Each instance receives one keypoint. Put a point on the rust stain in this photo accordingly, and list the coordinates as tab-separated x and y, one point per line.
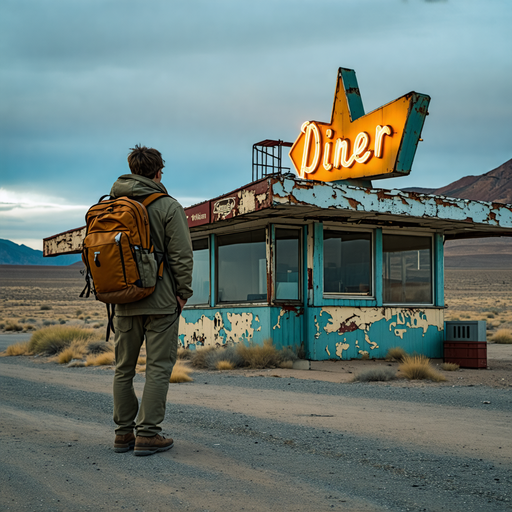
353	203
294	309
347	327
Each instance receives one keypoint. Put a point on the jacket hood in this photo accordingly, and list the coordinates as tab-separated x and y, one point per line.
133	185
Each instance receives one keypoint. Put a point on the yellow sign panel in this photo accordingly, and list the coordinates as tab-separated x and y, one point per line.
380	144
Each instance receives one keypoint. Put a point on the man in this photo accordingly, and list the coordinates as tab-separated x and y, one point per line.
155	317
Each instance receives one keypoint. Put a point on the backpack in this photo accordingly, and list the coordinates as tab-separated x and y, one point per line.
118	253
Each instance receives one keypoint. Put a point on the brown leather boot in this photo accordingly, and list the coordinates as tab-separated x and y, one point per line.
150	445
123	443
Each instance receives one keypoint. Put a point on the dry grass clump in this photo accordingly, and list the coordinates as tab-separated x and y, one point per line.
503	336
98	347
396	354
418	368
184	353
259	356
12	325
51	340
450	367
105	359
18	349
45	307
224	365
141	360
242	356
75	351
376	375
180	373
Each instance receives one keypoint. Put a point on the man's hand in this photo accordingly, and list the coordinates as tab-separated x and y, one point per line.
181	302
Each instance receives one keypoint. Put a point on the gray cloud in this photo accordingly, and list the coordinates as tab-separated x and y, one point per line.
83	81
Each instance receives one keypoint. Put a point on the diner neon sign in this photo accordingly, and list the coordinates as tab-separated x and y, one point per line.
380	144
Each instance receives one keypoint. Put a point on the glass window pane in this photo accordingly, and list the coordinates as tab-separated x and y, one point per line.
347	262
407	267
287	263
200	273
242	267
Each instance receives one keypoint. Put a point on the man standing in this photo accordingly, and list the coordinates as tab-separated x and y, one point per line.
155	317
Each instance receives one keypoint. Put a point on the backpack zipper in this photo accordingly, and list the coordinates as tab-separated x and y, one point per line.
117	239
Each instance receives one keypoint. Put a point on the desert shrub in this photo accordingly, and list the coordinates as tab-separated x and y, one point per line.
46	323
301	351
286	364
2	325
490	315
32	320
78	312
11	325
287	355
98	347
105	359
74	351
418	367
29	327
141	360
228	354
224	365
503	336
365	356
96	326
259	356
376	374
184	353
180	373
51	340
450	367
45	307
198	357
62	321
396	354
18	349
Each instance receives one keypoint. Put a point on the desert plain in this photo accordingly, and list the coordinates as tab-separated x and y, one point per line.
273	439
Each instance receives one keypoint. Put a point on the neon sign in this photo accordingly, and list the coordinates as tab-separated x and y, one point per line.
381	144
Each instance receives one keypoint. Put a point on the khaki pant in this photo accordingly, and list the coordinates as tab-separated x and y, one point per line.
161	332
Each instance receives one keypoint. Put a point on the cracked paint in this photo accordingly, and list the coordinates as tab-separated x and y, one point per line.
340	347
247	201
214	332
327	350
400	333
281	314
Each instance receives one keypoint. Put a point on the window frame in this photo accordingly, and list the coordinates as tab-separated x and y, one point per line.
350	295
202	305
300	229
231	303
423	234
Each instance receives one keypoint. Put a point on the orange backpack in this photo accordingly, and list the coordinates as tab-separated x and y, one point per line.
118	253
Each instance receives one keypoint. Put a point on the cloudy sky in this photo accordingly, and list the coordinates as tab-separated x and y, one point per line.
82	81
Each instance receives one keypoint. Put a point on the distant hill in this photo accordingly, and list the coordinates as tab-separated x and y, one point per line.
14	254
494	186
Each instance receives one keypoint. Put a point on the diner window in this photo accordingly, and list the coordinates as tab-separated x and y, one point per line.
242	267
287	261
407	267
200	273
347	262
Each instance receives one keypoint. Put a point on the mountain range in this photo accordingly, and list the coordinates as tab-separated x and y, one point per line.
493	186
14	254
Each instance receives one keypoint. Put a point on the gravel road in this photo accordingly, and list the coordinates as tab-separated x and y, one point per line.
254	443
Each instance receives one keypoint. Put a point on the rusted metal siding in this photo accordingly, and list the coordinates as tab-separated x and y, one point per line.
349	333
216	327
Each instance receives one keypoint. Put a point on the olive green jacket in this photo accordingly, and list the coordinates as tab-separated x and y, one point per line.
169	233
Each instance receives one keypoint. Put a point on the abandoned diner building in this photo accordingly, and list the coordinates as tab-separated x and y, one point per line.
323	259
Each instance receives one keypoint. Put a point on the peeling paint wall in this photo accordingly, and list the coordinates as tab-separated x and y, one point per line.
350	332
221	326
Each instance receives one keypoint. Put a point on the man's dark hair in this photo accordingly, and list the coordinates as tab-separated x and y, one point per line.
145	161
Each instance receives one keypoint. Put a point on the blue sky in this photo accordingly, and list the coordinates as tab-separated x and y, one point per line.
82	81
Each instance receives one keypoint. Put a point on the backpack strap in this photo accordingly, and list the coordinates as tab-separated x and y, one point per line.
153	197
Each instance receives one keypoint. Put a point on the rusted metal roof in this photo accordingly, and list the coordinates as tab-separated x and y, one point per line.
286	197
281	197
